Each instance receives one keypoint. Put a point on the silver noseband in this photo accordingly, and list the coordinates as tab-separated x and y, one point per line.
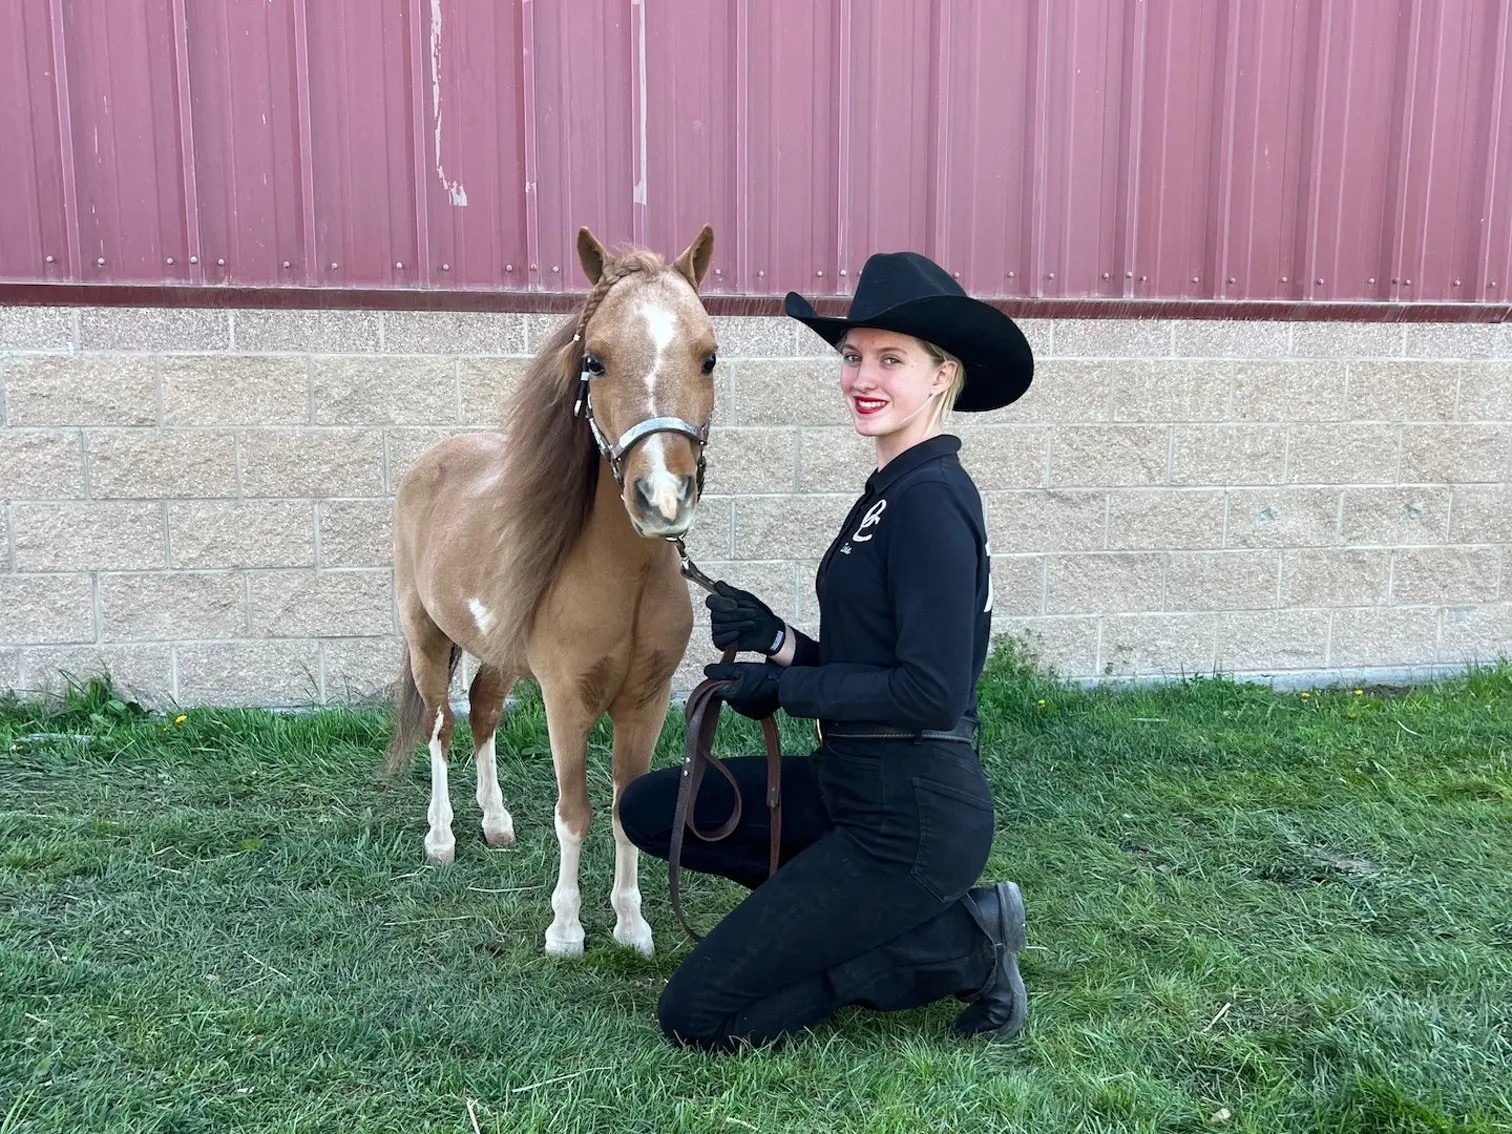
617	451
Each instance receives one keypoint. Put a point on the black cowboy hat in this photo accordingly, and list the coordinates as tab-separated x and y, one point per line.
911	294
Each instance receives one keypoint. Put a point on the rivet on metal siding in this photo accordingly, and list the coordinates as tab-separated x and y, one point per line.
399	265
1128	275
1396	281
761	274
446	267
1320	281
1233	280
286	265
334	265
820	272
1283	279
194	259
1491	284
719	271
1143	279
1051	276
509	267
101	261
1010	275
533	268
169	261
1105	275
1456	283
555	268
220	261
49	259
1407	283
1371	280
1195	279
842	271
957	275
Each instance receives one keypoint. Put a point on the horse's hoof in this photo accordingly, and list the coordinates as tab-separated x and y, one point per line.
564	946
637	938
500	836
440	854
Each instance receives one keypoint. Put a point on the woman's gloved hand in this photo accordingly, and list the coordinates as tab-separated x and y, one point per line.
740	619
754	692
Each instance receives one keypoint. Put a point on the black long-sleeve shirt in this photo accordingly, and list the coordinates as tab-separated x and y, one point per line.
905	601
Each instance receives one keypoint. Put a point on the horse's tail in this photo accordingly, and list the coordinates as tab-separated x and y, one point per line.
409	712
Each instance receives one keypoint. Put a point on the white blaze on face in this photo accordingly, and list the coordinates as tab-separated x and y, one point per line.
661	486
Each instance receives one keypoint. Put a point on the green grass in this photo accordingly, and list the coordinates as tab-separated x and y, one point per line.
1297	910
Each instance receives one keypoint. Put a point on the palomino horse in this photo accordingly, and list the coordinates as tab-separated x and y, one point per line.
545	551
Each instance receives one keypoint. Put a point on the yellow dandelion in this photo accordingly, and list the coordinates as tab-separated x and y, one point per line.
1041	701
180	719
1359	692
1305	696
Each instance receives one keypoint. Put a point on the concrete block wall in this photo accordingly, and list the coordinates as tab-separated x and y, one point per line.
198	499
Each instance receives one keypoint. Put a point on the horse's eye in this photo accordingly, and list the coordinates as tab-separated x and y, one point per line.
594	366
708	366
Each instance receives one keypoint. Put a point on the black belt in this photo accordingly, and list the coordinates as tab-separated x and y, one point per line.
964	730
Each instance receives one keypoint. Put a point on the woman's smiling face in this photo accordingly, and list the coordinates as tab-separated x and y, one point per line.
889	380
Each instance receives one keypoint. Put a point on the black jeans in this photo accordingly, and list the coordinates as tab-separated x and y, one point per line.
880	840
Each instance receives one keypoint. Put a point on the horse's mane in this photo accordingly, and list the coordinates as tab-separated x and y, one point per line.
551	469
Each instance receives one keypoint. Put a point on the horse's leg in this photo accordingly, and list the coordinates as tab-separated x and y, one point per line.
636	727
567	723
430	663
486	697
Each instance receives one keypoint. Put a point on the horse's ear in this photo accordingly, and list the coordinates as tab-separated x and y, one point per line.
694	261
592	255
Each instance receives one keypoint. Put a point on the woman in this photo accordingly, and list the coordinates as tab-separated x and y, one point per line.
888	825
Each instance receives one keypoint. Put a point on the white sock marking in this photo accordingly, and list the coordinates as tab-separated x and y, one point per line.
498	825
440	846
630	926
564	936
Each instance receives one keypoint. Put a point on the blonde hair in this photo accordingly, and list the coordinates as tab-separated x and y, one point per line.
939	356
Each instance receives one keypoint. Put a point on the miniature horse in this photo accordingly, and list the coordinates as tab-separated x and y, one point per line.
544	551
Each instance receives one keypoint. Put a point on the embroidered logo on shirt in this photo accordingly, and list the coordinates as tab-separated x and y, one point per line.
872	518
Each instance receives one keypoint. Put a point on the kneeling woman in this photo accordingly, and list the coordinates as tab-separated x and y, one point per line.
887	826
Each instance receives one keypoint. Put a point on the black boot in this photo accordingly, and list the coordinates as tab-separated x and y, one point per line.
1002	1003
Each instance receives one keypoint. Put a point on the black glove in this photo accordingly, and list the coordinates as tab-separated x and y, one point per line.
740	619
754	692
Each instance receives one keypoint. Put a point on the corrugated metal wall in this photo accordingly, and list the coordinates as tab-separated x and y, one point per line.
1171	149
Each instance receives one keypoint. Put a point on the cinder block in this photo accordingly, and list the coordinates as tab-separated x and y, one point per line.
1158	644
1347	340
774	582
1046	520
1018	585
143	673
405	447
1458	454
157	464
1334	577
270	673
160	329
1476	634
1272	641
453	332
235	389
1223	580
486	385
1160	518
173	606
1232	338
751	460
1394	636
759	336
1063	393
384	391
307	332
1164	391
788	392
1108	455
790	527
1486	391
312	462
301	604
1482	514
835	460
36	328
1283	517
1091	583
1347	453
81	390
1423	576
361	669
540	328
356	533
1064	645
88	537
1403	391
711	535
1005	456
1459	340
1395	517
43	464
43	609
1113	338
252	533
1290	391
1228	454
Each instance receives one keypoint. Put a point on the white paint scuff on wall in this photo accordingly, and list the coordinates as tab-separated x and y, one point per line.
454	188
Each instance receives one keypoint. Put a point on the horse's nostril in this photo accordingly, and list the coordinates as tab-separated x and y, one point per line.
687	488
642	492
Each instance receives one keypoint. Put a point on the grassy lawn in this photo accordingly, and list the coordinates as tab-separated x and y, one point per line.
1248	911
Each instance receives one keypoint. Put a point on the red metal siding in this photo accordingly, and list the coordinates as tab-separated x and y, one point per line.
1295	150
